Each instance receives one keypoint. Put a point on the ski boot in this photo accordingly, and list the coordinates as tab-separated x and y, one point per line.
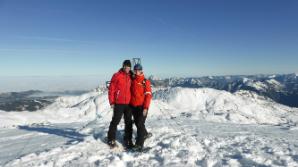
112	144
128	145
148	135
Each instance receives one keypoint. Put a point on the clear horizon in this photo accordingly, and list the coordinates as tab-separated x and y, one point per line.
147	74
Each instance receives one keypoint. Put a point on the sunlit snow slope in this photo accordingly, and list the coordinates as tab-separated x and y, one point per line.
191	127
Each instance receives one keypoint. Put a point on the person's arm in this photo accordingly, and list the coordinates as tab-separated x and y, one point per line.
148	95
112	90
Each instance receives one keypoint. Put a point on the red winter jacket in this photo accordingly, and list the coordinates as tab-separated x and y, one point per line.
119	90
141	93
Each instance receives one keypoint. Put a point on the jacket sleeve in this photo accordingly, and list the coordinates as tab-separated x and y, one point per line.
112	89
148	95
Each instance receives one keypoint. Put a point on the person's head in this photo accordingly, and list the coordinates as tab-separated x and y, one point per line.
138	69
126	66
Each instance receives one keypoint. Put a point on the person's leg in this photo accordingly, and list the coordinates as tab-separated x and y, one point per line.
146	132
128	125
134	114
117	115
141	127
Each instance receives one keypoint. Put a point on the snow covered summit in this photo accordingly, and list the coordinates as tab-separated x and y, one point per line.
242	107
190	126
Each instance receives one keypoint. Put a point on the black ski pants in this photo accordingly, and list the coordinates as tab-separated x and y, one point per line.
139	119
118	112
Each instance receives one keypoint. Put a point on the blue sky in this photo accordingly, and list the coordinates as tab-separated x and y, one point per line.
173	37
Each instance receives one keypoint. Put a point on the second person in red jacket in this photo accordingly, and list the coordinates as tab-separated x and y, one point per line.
141	96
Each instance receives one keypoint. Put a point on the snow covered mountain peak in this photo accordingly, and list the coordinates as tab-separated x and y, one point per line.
282	88
242	107
209	104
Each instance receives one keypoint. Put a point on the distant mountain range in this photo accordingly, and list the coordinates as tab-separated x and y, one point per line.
31	100
282	88
24	101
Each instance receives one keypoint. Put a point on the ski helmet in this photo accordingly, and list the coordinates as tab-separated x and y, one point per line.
138	67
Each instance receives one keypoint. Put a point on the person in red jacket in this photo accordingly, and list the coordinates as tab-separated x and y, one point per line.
141	96
119	98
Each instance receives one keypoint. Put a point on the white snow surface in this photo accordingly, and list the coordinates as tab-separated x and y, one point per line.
191	127
257	85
